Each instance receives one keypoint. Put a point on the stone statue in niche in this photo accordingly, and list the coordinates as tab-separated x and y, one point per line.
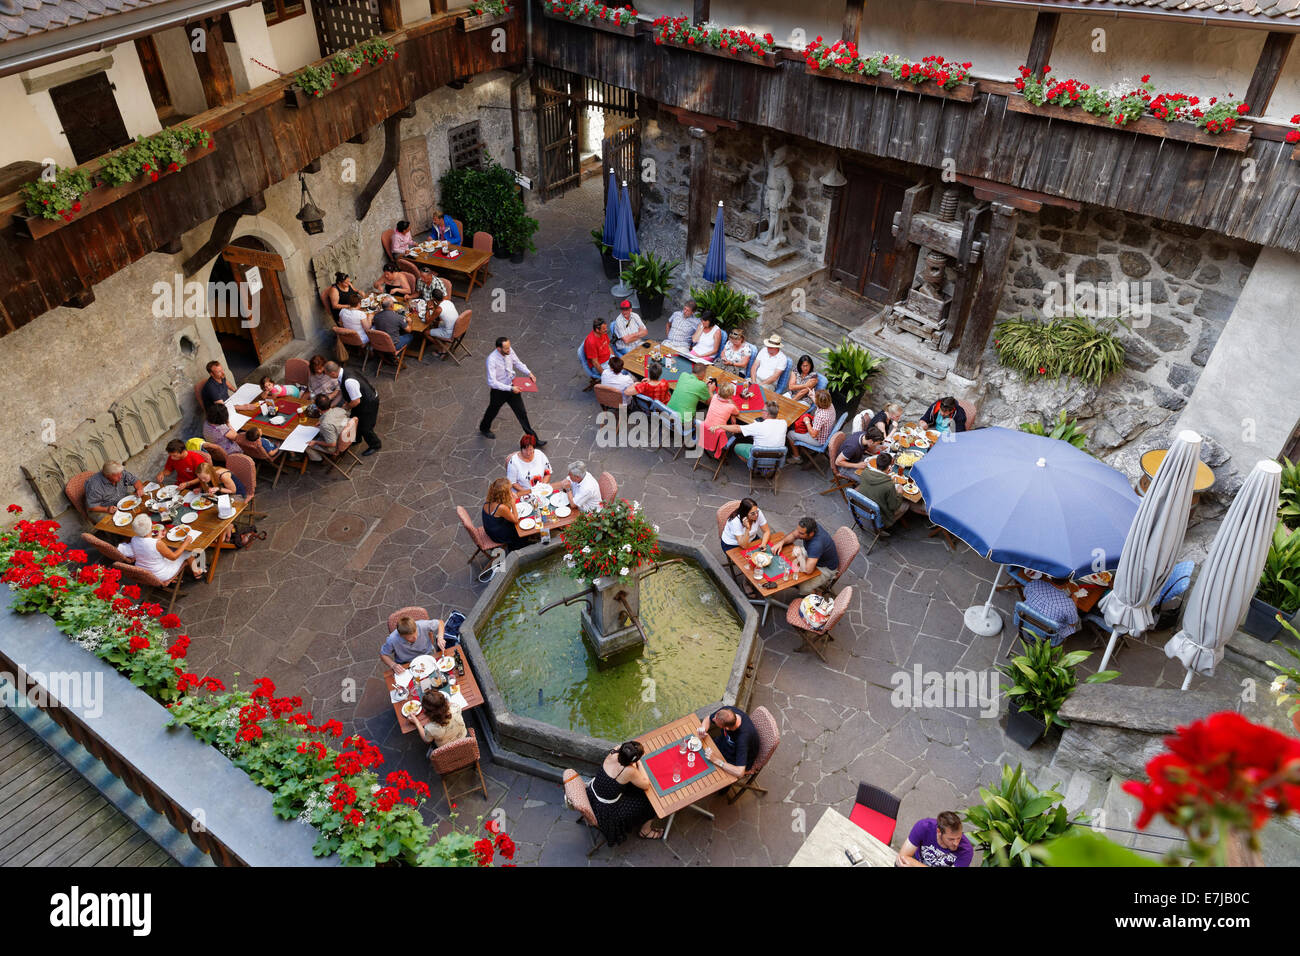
776	193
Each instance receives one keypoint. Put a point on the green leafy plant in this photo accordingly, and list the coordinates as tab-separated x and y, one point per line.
152	156
1015	816
487	200
1122	107
376	50
730	307
848	367
1067	430
494	8
1044	677
58	197
650	275
1289	507
590	10
682	31
844	56
598	240
614	540
1071	346
319	79
1085	847
1287	686
1279	585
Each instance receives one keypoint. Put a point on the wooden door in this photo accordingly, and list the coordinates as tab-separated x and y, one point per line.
272	330
862	255
559	135
87	109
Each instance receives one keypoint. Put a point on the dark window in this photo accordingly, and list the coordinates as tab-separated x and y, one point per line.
277	11
87	108
466	146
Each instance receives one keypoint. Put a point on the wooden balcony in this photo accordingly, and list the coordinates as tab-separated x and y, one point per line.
1247	194
260	141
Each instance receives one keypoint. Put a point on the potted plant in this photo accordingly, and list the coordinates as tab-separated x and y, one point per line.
651	277
847	368
1289	508
487	200
485	13
1279	586
1015	816
606	253
1286	689
731	308
1042	678
1064	429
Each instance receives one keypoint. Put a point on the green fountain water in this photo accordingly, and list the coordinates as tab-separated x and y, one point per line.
544	671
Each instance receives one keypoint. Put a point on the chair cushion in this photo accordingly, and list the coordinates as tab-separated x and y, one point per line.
874	822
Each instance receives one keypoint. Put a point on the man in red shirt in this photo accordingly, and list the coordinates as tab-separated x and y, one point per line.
596	348
181	461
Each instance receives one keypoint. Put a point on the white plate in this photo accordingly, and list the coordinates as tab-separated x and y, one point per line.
563	511
397	693
189	517
277	420
410	708
694	744
202	504
542	490
169	491
128	503
423	665
178	534
559	499
123	518
446	663
523	509
527	524
910	489
152	486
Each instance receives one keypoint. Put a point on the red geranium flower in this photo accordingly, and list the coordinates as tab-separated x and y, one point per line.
17	509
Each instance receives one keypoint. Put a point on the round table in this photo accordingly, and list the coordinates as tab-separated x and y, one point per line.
1150	463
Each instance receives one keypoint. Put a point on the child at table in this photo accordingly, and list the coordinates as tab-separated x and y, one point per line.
271	391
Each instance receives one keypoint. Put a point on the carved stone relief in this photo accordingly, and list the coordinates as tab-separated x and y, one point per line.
94	443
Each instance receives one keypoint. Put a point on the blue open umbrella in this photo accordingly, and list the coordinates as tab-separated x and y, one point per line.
715	264
1026	500
625	244
611	209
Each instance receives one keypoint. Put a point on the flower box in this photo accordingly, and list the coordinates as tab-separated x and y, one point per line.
964	91
627	29
469	24
1236	139
764	59
36	227
296	98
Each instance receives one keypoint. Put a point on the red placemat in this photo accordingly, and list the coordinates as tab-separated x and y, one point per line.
754	403
663	761
283	406
775	570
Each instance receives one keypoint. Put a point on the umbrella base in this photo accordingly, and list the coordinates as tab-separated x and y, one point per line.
624	291
983	620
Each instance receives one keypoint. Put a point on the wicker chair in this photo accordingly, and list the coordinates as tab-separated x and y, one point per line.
415	613
386	241
383	347
608	486
769	737
575	797
146	580
297	372
876	811
260	456
343	450
847	547
838	481
216	454
817	638
970	410
482	241
75	489
482	543
454	757
106	551
245	469
725	513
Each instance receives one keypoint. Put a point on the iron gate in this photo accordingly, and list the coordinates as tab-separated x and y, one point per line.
622	153
561	98
344	23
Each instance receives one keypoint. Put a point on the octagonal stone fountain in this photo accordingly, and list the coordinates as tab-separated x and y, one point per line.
549	696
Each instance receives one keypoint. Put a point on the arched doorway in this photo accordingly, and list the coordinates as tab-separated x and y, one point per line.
246	303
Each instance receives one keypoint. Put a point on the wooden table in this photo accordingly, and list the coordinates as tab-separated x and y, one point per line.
280	432
1150	463
689	795
914	498
466	265
636	360
469	689
209	526
737	557
551	524
834	833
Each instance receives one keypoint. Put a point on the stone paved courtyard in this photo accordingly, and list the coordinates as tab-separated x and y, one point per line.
307	607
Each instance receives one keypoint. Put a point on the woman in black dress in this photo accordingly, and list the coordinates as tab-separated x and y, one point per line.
499	516
618	796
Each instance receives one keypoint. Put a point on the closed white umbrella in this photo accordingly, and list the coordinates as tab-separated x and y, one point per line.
1221	595
1154	539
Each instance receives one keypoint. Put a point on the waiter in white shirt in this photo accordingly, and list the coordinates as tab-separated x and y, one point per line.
501	365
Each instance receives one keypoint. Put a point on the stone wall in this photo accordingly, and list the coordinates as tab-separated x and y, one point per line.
70	365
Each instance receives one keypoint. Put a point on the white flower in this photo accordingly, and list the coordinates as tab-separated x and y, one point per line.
622	571
656	527
636	506
586	549
1278	686
627	548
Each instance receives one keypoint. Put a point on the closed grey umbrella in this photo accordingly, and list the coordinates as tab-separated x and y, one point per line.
1221	595
1154	539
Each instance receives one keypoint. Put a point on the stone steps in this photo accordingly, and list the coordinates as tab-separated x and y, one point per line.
832	304
804	328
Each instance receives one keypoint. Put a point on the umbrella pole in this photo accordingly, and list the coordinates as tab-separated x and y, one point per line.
984	620
1187	680
1110	649
622	290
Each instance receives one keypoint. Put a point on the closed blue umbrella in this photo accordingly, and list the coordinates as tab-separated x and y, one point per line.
625	244
715	265
611	209
1026	500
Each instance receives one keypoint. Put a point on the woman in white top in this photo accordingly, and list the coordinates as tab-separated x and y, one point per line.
154	555
527	466
707	338
736	356
747	525
351	317
615	376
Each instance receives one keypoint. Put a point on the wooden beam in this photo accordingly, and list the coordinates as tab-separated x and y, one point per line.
387	163
1023	199
173	248
1271	60
701	11
253	257
213	65
390	15
81	300
437	6
852	20
223	230
1040	47
700	204
993	272
710	124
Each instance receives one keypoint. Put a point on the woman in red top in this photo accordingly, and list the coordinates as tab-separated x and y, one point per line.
181	461
654	387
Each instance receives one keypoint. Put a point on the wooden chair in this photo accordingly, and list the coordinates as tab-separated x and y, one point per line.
766	463
460	229
769	738
847	547
838	481
146	580
351	339
415	613
816	638
482	543
454	757
482	242
609	397
216	454
970	411
575	798
382	347
386	240
608	486
876	811
106	551
448	347
75	489
343	450
260	456
297	372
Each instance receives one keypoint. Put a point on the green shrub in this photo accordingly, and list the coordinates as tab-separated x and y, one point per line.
1016	816
1289	507
1063	429
487	200
1044	677
650	275
730	307
1279	585
1071	346
848	367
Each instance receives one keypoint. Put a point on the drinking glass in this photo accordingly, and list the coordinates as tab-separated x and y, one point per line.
677	775
681	749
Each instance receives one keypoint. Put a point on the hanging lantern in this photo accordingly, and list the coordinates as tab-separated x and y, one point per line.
310	215
833	180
